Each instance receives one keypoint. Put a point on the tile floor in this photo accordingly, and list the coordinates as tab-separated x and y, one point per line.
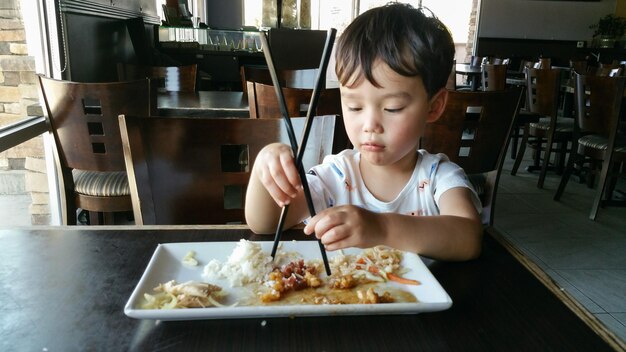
587	258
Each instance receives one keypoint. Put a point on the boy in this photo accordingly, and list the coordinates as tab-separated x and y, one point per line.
392	65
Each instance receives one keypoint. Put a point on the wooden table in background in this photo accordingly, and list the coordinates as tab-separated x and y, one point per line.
64	289
203	104
473	74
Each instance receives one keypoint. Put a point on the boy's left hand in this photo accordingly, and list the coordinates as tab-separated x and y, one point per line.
347	226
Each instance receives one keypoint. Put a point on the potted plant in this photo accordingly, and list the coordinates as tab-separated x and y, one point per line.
608	30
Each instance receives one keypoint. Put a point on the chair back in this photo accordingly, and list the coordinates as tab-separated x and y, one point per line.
579	66
494	76
264	104
543	63
598	100
196	170
543	88
169	78
83	119
609	71
304	78
474	132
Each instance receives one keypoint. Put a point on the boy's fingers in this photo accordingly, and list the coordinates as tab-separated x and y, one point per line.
291	172
282	182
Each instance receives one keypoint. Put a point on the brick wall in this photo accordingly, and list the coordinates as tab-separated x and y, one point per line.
473	27
19	97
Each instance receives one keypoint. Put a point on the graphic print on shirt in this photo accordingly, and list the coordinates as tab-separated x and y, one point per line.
346	180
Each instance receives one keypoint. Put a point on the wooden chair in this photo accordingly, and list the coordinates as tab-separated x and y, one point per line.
580	66
597	136
494	77
196	170
264	104
476	141
83	122
543	96
169	78
543	63
304	78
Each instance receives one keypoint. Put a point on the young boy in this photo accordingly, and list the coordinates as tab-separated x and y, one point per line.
392	65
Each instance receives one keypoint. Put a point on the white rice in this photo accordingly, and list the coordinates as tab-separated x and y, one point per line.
246	264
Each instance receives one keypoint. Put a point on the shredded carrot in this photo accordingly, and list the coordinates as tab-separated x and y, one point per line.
402	280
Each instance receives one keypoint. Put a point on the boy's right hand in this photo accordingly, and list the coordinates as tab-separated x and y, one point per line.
275	167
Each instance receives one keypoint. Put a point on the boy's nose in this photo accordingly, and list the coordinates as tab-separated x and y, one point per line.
372	123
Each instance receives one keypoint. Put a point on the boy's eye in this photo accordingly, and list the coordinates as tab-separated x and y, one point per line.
394	110
353	109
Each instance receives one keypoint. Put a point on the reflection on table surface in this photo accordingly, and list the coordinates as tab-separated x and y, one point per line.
65	289
203	104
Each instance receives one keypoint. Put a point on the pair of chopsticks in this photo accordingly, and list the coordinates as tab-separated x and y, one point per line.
299	152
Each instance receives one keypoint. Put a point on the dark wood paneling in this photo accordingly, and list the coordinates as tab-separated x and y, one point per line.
560	51
94	46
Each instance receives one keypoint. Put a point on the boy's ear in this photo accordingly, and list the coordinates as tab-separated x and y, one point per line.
437	105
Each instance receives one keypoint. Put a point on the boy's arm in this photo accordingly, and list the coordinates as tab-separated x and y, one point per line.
274	166
454	235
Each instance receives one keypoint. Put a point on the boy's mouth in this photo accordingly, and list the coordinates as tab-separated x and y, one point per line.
372	147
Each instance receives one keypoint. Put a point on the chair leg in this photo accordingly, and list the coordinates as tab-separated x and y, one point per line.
606	165
566	175
520	151
514	139
546	161
561	157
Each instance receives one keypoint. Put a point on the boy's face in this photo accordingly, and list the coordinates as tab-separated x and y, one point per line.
385	123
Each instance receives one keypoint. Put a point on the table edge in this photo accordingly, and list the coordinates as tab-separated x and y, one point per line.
594	323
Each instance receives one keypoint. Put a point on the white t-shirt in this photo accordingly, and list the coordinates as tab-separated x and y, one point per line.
338	181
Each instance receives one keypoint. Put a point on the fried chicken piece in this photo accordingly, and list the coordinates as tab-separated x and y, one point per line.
191	294
371	297
343	282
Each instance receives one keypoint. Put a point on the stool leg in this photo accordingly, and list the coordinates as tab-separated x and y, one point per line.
546	161
606	164
520	151
566	175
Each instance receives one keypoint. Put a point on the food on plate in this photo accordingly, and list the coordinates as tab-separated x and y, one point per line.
246	264
190	259
371	297
293	276
258	279
190	294
376	264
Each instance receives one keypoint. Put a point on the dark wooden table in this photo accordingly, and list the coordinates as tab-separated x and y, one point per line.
64	289
473	73
203	104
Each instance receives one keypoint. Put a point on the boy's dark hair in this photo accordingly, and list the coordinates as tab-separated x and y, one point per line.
403	37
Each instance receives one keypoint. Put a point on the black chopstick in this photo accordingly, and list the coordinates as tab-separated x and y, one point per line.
299	152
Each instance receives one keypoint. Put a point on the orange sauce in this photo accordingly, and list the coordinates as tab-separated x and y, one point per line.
327	295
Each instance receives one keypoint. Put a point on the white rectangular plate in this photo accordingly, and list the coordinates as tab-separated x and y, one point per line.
166	264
